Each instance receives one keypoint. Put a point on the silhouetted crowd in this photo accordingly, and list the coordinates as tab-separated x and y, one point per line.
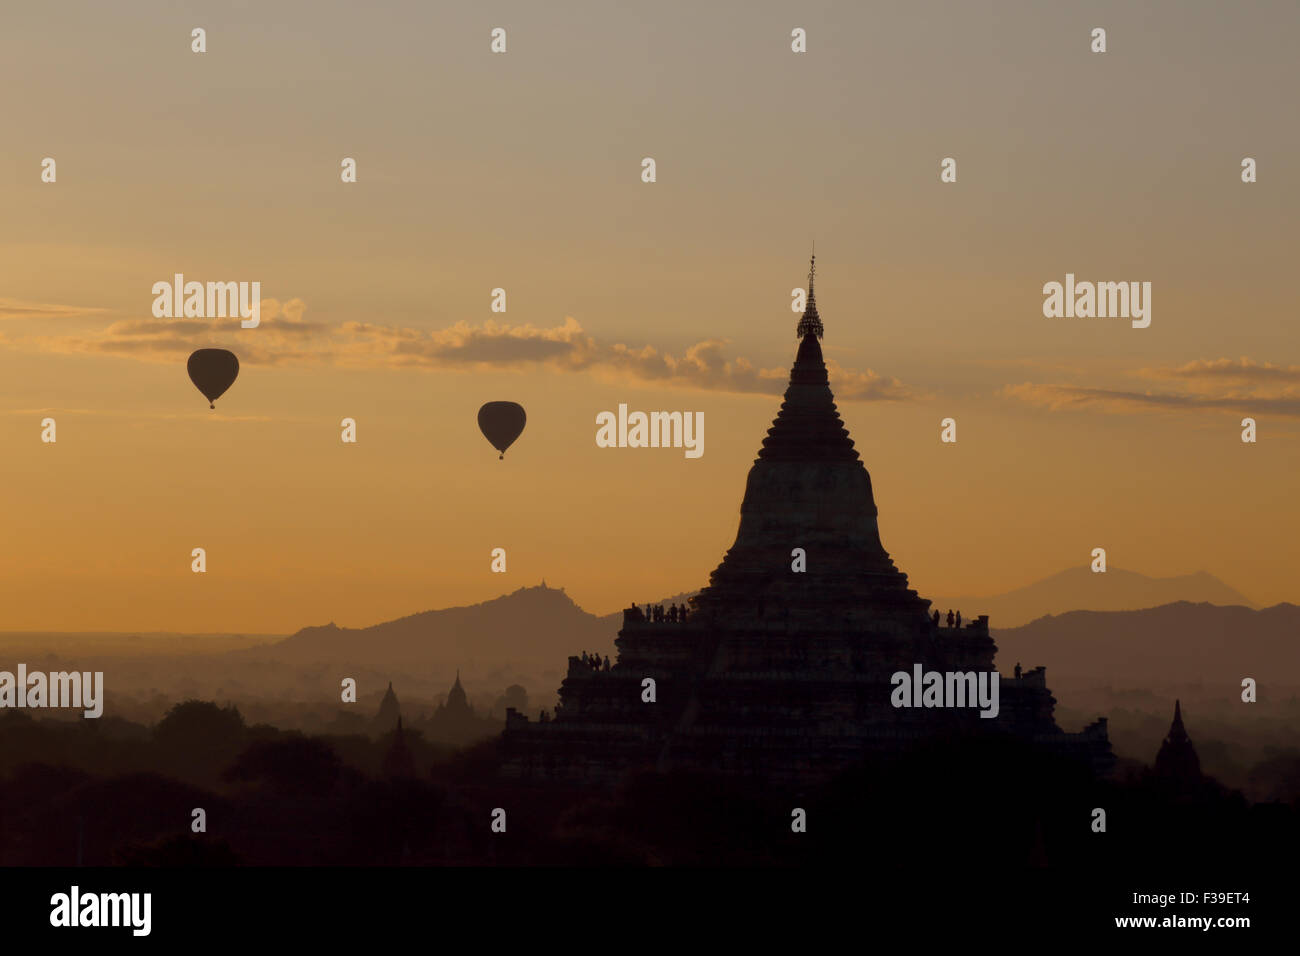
593	661
675	614
951	618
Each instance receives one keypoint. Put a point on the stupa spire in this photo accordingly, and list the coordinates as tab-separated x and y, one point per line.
1177	756
811	322
809	484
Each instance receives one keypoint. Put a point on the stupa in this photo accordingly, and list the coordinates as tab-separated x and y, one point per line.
781	668
1176	760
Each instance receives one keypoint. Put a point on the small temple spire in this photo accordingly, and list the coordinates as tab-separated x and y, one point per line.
1177	758
811	322
389	709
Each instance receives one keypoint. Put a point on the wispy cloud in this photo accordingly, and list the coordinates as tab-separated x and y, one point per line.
52	411
285	337
17	309
137	415
1229	370
1230	385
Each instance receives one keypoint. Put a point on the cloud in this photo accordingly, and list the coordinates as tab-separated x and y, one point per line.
284	337
464	346
1229	385
24	412
704	365
136	415
1057	397
17	309
868	386
1228	370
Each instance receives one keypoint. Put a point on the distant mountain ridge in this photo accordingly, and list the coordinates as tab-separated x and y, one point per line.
529	627
533	630
1080	589
1175	643
527	636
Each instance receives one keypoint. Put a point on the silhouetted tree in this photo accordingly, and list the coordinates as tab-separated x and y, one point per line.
197	739
187	850
398	762
291	764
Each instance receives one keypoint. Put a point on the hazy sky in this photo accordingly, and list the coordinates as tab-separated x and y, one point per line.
523	171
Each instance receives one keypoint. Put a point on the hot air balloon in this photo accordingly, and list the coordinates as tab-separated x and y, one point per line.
501	423
213	371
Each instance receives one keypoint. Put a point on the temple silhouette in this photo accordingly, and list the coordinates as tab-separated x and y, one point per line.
390	711
778	673
1176	761
455	721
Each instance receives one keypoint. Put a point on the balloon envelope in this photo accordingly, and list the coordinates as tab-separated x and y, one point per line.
501	423
213	371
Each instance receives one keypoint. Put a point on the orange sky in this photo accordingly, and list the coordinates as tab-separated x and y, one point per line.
522	171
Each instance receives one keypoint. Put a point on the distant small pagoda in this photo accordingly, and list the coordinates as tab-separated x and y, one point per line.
777	674
390	712
455	722
1176	761
457	705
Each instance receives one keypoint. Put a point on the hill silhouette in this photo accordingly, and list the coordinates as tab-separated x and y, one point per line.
1079	589
532	627
525	637
1179	642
